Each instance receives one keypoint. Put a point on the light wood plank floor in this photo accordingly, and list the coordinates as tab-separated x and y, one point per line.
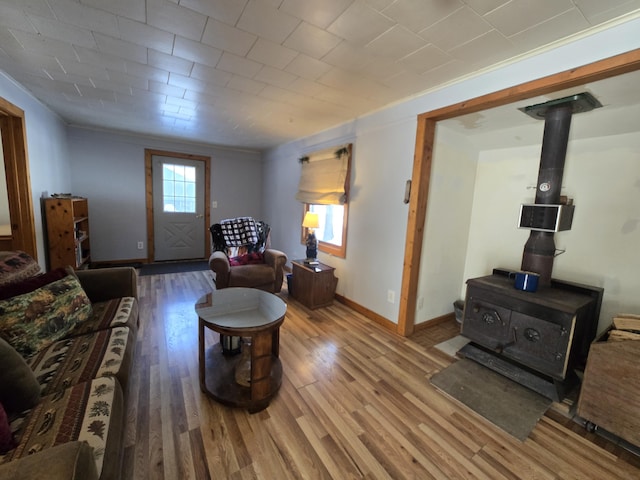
355	403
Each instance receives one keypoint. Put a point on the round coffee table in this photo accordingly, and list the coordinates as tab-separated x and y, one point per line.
241	312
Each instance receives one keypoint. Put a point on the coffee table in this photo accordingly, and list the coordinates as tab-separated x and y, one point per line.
243	312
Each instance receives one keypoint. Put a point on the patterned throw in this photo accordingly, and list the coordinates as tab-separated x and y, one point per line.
239	231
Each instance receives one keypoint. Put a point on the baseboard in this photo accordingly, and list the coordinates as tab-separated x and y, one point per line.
379	319
447	317
132	262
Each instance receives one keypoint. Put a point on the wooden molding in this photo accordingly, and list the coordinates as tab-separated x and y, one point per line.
371	315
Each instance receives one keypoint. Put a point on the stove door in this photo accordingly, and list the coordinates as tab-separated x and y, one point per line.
540	343
486	323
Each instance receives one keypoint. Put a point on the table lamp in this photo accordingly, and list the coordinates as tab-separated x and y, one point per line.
310	222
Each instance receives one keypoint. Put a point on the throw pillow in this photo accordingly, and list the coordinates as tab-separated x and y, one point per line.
6	438
32	283
19	388
17	266
35	320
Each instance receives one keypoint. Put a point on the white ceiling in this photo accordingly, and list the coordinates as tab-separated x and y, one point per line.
257	73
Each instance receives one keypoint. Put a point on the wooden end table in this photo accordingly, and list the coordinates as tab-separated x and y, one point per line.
313	285
242	312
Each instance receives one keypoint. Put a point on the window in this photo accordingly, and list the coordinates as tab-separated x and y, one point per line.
332	232
179	188
324	189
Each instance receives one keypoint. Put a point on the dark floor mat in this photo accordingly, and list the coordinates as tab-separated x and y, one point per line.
173	267
505	403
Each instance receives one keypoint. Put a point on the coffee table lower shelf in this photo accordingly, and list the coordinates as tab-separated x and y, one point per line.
218	381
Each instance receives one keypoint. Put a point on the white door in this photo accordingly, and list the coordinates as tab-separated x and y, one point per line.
178	208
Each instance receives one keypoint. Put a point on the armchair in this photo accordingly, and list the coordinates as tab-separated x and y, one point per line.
242	257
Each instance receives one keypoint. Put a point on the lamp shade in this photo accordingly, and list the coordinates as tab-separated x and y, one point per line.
311	220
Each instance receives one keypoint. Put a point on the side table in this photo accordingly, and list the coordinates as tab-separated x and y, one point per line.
313	285
242	312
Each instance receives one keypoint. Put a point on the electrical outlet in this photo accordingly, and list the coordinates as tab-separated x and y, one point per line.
140	245
214	204
391	296
420	303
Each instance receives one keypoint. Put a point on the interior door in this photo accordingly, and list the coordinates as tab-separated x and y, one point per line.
178	208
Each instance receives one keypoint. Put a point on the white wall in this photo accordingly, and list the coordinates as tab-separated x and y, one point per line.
108	169
383	156
602	175
47	151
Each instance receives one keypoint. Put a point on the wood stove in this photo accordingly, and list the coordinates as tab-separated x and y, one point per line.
536	339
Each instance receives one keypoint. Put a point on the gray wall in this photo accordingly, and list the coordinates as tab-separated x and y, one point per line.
108	169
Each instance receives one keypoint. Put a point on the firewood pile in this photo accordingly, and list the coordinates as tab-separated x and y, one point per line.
626	326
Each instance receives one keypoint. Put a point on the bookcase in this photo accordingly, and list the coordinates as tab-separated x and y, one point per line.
67	232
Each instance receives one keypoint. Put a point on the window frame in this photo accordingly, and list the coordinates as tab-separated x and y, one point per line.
339	251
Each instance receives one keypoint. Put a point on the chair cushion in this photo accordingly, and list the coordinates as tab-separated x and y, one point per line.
17	266
251	275
79	359
90	411
247	259
19	388
117	312
35	320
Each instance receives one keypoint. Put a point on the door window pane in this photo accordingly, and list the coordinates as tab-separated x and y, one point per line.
179	188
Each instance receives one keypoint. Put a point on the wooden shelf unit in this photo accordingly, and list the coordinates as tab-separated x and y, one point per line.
313	285
68	232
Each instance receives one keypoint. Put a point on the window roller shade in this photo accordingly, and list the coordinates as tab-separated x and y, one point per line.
324	176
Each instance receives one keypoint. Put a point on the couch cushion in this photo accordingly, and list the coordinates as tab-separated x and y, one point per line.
32	321
255	258
78	359
118	312
19	388
17	266
90	411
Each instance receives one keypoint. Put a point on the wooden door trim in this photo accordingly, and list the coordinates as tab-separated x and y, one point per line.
16	162
148	168
425	139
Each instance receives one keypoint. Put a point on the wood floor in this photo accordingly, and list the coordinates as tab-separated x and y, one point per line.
355	403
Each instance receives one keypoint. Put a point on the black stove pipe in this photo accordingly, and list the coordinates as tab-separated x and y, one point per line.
539	251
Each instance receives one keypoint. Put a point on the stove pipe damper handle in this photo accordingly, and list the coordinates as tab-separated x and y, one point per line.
540	249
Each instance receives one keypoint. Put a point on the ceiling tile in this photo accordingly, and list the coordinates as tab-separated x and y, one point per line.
97	93
78	80
73	67
488	48
187	83
460	27
63	32
32	7
168	90
379	5
245	85
238	65
225	37
134	9
396	42
169	62
597	11
196	51
175	19
275	77
417	15
14	18
210	75
71	12
483	7
312	40
132	81
360	23
320	14
425	59
146	71
266	21
271	54
113	86
553	29
94	57
43	46
145	35
305	87
120	48
227	11
307	67
349	57
519	15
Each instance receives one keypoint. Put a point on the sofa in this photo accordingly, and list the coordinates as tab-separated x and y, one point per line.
242	255
67	341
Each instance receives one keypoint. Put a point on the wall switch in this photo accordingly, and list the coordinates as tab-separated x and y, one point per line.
214	204
391	296
140	245
420	303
